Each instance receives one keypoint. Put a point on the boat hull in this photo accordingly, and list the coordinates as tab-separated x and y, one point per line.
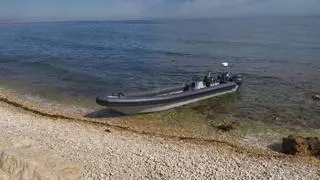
165	106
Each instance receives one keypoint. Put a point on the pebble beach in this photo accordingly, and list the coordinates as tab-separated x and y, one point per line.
113	154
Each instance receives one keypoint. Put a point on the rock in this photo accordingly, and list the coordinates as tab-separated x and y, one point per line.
107	130
316	97
295	145
227	126
314	146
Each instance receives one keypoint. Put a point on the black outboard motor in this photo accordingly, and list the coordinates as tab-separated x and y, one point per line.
237	79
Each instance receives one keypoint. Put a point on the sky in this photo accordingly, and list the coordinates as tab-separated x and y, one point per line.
64	10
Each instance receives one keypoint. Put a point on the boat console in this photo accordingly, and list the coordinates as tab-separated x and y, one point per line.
210	80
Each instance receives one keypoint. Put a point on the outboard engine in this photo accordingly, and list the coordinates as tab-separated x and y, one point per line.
237	79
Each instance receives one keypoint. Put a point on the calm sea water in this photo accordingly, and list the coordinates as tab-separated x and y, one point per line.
278	57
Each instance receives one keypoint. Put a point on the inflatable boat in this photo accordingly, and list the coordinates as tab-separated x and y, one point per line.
212	85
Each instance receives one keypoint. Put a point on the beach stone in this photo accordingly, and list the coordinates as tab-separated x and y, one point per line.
314	146
295	145
316	97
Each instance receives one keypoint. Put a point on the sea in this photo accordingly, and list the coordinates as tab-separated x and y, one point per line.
279	59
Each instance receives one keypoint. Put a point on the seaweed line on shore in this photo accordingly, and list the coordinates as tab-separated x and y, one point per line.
236	147
95	122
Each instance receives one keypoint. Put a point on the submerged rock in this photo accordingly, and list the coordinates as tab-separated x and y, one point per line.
227	126
297	145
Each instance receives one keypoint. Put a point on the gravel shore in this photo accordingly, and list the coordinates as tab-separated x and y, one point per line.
125	155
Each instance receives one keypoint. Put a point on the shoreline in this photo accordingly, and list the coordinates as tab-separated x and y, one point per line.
250	135
124	154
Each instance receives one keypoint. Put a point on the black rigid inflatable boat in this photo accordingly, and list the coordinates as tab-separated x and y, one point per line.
222	83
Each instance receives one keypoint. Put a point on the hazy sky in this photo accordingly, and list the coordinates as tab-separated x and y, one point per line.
47	10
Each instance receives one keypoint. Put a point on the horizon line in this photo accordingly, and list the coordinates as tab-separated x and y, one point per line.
152	19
